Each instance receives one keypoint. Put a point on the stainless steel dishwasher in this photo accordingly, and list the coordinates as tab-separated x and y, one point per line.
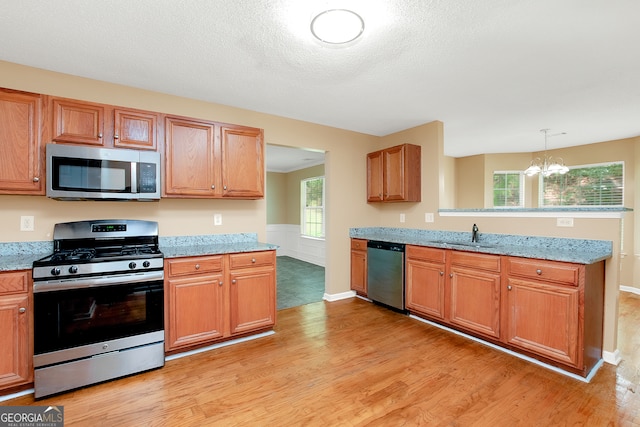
385	273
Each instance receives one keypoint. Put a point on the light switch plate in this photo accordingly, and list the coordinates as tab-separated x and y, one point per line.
402	218
428	217
217	219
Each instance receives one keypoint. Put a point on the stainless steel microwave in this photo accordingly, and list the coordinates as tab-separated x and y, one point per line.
92	173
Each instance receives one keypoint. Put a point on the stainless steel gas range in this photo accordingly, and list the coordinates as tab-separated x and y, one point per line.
98	304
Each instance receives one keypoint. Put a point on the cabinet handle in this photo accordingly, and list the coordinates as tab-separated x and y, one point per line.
116	136
100	135
253	260
22	310
538	272
220	283
197	266
213	187
224	187
451	275
233	281
36	179
509	287
442	273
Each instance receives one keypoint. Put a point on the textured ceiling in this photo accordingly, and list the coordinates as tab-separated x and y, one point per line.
494	71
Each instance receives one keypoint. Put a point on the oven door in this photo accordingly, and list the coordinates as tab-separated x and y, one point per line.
78	317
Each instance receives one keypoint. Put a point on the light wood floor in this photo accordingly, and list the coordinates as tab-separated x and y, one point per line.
351	363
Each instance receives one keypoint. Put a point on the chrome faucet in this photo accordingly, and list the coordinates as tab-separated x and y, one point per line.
474	233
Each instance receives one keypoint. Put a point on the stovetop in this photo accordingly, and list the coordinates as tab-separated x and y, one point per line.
101	248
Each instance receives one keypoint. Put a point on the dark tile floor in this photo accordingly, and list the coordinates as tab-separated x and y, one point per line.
299	282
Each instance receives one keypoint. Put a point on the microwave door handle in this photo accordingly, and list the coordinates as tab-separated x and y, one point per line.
134	177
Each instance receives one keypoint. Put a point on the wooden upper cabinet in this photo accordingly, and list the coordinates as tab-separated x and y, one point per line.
78	122
87	123
189	158
394	174
21	160
242	162
135	129
212	160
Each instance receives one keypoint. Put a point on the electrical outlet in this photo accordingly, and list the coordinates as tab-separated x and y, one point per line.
428	217
564	222
217	219
401	217
27	223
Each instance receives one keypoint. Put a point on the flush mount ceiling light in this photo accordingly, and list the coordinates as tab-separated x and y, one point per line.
547	165
337	26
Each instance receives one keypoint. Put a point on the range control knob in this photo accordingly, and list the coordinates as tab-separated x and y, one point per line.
55	271
73	269
146	264
132	265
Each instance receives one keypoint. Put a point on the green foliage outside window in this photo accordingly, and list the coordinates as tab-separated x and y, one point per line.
591	185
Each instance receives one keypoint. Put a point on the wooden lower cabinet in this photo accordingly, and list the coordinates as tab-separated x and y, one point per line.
425	281
555	310
359	266
549	310
16	329
252	291
474	295
212	298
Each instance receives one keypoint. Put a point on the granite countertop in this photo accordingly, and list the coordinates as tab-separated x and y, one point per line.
21	255
579	251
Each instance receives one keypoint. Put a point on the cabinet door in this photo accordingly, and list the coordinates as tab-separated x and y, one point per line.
425	287
135	129
359	271
189	162
374	177
544	319
394	174
475	301
78	122
16	356
20	151
196	310
252	299
242	162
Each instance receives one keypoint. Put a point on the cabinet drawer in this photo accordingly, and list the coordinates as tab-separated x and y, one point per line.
359	244
544	270
425	253
250	259
475	260
194	265
14	282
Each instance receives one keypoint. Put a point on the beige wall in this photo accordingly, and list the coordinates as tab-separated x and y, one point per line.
345	172
283	194
276	196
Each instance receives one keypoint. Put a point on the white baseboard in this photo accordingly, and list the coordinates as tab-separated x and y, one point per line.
613	358
630	289
336	297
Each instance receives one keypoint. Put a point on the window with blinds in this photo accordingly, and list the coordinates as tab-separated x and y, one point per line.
587	185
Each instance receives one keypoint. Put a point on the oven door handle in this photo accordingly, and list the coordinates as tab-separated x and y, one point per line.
91	282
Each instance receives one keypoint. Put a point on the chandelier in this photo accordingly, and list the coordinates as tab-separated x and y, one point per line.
547	165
